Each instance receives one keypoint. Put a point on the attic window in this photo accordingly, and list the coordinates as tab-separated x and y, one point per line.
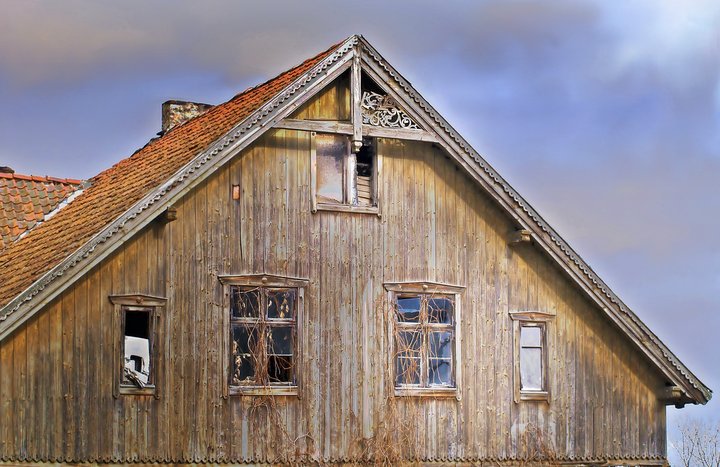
343	181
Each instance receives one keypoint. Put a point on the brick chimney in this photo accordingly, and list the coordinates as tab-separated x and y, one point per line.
176	113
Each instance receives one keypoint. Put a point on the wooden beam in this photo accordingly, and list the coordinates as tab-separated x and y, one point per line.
399	133
315	125
355	102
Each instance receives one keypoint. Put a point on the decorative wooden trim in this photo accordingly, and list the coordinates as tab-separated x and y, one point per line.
262	280
532	316
423	287
138	299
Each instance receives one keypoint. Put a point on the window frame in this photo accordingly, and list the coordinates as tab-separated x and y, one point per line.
265	281
537	319
394	289
349	179
144	303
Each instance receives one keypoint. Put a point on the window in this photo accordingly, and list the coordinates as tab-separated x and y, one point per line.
263	313
342	180
137	345
531	354
425	342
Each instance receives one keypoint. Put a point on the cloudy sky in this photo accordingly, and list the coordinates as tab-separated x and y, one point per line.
604	115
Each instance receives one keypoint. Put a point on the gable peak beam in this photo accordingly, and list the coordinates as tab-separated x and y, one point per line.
355	100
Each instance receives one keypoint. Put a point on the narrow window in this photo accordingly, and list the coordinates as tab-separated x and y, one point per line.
531	357
531	372
425	347
343	180
263	336
137	345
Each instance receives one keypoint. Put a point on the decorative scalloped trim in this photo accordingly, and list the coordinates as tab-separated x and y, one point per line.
525	207
322	460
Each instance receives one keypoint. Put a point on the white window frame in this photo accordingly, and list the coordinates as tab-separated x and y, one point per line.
542	320
428	288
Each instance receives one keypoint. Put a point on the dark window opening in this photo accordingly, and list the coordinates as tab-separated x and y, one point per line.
137	348
364	170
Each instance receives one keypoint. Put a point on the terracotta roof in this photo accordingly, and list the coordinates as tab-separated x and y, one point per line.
115	190
26	199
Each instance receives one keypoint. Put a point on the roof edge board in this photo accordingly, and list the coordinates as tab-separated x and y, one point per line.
48	287
566	257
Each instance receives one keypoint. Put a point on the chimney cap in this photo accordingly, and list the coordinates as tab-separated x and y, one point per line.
6	170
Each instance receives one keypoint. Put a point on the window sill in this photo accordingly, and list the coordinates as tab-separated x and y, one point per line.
348	208
428	392
535	396
263	391
136	391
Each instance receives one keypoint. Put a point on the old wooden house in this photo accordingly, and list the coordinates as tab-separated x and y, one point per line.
319	270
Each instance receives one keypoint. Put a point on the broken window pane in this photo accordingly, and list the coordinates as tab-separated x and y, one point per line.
440	372
137	347
440	310
245	303
408	308
281	304
280	340
330	155
364	173
245	354
441	344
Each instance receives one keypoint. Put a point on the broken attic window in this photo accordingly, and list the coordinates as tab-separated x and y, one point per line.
424	340
364	168
262	331
343	178
531	357
137	331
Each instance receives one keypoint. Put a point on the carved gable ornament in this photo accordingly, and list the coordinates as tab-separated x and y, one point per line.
379	110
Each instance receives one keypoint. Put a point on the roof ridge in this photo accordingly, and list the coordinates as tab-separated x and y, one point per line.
42	178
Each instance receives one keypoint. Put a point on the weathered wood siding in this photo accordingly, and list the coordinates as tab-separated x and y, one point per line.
56	375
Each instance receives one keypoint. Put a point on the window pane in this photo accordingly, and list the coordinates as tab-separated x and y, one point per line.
280	340
245	303
407	371
531	336
440	372
137	348
408	343
408	308
330	152
440	310
245	354
280	369
281	304
531	368
441	344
